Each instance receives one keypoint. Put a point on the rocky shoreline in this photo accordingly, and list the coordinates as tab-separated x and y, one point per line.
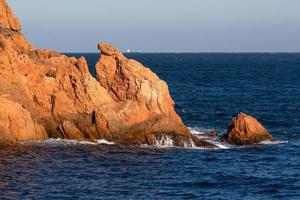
45	94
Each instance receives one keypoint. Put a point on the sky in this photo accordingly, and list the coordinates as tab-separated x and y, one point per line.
162	25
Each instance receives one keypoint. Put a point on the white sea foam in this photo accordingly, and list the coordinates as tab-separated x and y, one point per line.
200	132
64	142
221	145
274	142
104	142
197	131
164	141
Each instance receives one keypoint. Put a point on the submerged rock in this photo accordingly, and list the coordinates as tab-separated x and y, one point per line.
211	134
245	130
46	94
173	140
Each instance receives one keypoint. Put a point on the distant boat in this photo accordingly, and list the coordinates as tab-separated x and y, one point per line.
128	51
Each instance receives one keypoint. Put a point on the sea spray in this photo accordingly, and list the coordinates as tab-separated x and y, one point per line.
164	141
172	140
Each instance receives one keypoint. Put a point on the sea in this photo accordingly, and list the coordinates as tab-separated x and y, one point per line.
209	89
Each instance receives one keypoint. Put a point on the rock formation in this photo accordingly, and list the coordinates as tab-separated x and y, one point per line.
7	18
46	94
245	130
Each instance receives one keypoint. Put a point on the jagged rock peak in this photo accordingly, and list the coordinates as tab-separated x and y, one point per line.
7	19
106	49
109	50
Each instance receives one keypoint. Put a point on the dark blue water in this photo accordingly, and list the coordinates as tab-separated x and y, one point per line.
209	89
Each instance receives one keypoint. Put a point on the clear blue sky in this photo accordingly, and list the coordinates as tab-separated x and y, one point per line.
162	25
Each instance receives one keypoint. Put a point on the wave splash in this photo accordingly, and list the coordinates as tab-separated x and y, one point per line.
165	140
201	133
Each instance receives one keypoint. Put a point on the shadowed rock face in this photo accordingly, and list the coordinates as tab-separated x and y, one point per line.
245	130
46	94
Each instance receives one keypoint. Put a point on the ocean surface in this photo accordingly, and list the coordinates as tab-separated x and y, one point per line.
209	89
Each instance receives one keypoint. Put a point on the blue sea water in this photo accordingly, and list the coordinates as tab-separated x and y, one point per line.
209	89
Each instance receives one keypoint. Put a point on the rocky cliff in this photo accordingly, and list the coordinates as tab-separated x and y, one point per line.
44	94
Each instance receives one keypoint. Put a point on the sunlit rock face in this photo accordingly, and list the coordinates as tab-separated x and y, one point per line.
245	130
47	94
7	18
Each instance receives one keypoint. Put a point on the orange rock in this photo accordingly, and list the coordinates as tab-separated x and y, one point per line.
245	130
212	134
52	95
70	131
143	102
7	18
6	138
16	121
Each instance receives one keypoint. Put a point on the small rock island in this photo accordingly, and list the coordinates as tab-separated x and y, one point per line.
246	130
